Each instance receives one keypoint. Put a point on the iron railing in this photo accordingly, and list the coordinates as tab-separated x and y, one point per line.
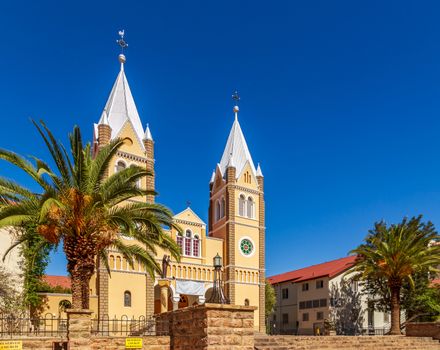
126	326
45	326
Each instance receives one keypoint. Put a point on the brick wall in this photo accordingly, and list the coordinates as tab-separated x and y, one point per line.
99	343
423	329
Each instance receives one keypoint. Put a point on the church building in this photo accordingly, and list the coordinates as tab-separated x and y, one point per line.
235	229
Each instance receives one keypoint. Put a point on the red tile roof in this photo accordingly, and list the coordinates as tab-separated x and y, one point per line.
328	269
53	281
435	282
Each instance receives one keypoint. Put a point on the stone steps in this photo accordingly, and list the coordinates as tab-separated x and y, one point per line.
264	342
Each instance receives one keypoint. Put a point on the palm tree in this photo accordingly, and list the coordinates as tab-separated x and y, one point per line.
85	210
395	253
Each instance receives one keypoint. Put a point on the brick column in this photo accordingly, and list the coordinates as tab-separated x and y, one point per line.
262	264
150	186
230	234
79	326
209	327
104	135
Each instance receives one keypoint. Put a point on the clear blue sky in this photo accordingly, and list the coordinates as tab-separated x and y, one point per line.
340	102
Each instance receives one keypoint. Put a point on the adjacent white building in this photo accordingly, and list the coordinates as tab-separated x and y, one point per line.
305	299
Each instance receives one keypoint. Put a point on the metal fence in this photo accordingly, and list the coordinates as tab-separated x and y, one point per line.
45	326
126	326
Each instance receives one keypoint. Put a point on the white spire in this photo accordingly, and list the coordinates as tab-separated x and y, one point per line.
104	119
236	151
120	106
147	135
259	172
212	177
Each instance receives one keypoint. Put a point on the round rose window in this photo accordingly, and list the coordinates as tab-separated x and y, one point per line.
246	246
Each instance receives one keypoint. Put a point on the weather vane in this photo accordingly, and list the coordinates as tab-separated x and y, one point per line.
121	42
236	97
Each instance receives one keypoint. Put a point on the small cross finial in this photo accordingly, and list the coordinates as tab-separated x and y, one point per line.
236	99
188	203
121	42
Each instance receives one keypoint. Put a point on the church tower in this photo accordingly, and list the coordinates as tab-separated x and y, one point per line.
237	215
120	119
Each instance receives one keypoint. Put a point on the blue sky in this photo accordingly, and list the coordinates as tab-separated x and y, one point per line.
340	103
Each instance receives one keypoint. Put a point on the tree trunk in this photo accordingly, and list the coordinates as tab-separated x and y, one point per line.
395	310
76	286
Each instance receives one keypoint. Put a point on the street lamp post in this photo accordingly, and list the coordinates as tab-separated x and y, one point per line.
217	296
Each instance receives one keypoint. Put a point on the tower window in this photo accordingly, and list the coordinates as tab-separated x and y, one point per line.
222	208
217	211
127	298
120	165
241	205
250	208
247	177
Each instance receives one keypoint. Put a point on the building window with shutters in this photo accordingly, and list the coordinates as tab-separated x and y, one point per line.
188	240
196	246
305	287
180	242
285	293
305	316
320	315
319	284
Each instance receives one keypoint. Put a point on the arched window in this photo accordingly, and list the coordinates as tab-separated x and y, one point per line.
120	165
217	211
246	302
196	246
127	298
241	205
63	305
188	236
180	241
250	207
138	181
222	208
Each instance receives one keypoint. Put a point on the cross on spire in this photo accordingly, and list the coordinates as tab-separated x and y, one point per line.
121	42
236	99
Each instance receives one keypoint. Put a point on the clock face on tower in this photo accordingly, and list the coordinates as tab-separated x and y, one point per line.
246	246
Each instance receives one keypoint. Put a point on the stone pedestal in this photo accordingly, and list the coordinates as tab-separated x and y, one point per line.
164	285
79	326
210	326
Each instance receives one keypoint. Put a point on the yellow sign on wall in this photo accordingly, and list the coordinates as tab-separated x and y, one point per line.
132	343
11	345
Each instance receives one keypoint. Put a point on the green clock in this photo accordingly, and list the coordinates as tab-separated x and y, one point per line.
246	246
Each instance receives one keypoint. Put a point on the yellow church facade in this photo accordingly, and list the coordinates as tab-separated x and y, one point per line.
235	229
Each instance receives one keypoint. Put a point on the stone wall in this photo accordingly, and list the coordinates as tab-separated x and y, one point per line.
210	326
423	329
97	343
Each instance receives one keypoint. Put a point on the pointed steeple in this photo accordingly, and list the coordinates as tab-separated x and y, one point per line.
259	172
147	134
236	151
212	177
104	119
120	107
